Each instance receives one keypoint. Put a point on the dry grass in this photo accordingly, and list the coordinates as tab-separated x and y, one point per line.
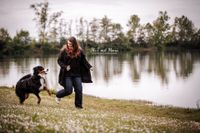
98	115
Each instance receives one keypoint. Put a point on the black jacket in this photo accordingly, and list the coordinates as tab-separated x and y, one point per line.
63	61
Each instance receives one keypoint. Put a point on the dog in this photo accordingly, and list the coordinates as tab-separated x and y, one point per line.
32	84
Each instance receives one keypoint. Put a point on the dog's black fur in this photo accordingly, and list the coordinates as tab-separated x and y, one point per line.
31	84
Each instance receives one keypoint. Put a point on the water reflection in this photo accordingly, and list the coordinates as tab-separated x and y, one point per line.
159	64
162	77
106	66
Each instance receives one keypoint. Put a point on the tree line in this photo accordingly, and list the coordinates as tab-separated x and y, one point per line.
100	35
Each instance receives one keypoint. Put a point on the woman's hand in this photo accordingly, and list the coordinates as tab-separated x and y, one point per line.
68	67
91	69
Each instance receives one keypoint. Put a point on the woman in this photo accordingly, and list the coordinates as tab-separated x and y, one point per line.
74	69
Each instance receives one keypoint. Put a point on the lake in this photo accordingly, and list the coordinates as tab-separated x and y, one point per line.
164	78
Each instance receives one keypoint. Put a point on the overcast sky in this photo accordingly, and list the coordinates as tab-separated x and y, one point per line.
16	14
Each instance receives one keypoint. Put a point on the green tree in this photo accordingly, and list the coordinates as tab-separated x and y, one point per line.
22	38
5	41
161	29
105	28
21	42
116	31
141	36
133	25
4	35
117	36
196	39
148	28
184	29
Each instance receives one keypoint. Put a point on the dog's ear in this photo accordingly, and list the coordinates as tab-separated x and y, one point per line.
35	70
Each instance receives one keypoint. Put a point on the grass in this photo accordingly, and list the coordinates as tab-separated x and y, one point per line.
98	115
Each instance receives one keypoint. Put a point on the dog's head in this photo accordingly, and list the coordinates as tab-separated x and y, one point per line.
39	71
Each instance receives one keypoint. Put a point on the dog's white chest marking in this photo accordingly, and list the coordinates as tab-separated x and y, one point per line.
42	82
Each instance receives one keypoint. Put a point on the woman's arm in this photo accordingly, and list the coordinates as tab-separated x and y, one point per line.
84	61
61	60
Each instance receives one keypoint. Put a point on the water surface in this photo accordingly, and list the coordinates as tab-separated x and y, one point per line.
165	78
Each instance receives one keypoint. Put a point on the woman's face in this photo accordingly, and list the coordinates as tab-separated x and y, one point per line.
69	44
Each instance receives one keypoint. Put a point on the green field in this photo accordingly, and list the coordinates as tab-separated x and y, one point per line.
98	115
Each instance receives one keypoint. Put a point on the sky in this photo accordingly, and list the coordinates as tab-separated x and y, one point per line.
17	14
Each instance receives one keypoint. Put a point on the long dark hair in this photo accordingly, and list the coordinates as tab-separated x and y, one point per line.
76	47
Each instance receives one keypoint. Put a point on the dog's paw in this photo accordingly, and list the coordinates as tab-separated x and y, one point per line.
49	93
39	100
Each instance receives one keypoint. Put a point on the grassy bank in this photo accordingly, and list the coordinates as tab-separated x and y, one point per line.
98	115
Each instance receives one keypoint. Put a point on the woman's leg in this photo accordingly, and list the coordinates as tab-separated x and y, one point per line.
67	90
77	83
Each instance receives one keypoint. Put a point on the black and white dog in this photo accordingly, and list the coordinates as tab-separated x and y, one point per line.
32	84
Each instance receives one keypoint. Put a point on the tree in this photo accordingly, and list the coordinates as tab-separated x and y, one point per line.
117	36
94	27
80	29
105	28
70	28
53	25
133	25
116	31
184	29
4	35
161	29
196	39
22	38
62	29
149	34
141	37
5	41
41	18
87	30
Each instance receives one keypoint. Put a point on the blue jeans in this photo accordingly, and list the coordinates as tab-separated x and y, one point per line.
71	82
